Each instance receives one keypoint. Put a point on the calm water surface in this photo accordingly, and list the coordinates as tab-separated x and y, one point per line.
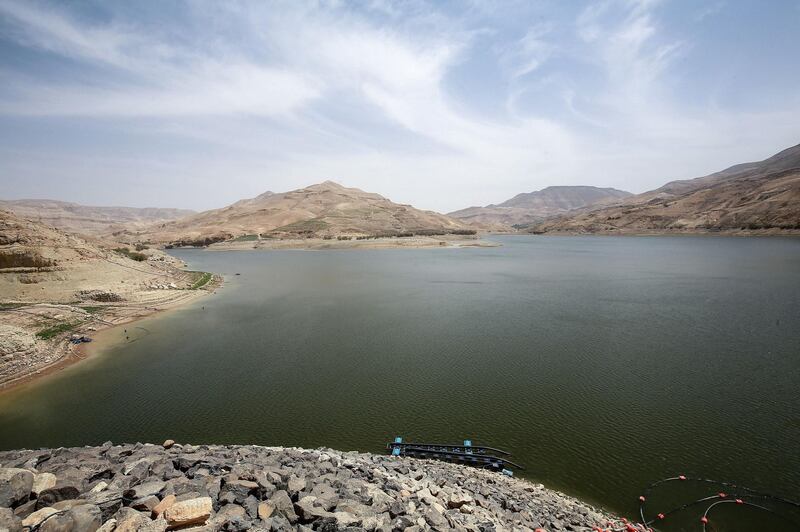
602	363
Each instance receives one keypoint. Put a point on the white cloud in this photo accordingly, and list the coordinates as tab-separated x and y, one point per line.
276	96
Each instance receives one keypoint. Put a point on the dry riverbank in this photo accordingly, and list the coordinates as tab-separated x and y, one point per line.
414	242
56	286
35	339
237	488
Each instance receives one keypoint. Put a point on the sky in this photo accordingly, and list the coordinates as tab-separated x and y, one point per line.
441	104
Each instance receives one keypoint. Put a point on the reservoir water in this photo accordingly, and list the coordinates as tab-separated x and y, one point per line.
601	363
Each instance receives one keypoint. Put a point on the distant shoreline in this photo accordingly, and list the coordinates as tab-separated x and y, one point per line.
732	233
415	242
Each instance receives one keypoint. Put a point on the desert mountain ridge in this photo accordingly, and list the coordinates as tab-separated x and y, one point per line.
531	207
752	198
87	219
323	210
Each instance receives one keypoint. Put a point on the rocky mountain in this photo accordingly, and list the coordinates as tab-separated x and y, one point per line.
759	197
89	220
532	207
325	210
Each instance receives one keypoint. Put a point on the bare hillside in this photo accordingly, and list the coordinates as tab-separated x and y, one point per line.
760	197
532	207
86	219
325	210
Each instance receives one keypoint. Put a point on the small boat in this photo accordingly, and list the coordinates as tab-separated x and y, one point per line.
466	454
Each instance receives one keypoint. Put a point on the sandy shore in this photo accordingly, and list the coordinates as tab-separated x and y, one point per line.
47	357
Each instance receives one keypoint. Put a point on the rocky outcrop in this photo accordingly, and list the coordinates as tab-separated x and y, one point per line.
173	486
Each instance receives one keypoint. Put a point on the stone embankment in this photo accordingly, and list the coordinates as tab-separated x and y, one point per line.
175	487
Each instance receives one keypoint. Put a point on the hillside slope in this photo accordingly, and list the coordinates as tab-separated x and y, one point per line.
53	284
86	219
532	207
323	210
759	197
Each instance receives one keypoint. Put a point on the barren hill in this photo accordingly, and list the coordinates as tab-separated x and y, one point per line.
759	197
88	220
43	264
531	207
53	284
325	210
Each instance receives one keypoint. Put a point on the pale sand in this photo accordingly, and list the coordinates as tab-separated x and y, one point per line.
55	355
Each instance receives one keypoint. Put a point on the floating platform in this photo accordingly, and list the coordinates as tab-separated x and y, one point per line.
466	454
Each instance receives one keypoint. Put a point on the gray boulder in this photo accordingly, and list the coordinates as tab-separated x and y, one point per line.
15	486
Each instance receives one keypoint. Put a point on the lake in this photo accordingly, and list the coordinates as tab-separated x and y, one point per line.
601	363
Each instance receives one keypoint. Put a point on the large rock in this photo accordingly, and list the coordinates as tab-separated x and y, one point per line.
38	516
9	521
165	503
43	481
282	504
265	510
85	517
295	485
130	520
145	489
308	511
15	486
191	512
54	495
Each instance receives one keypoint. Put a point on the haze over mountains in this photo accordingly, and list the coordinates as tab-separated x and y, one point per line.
760	197
754	197
89	220
531	207
323	210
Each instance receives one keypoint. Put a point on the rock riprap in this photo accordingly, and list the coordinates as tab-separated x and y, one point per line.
209	487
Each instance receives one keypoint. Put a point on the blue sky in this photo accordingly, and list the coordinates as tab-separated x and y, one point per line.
439	104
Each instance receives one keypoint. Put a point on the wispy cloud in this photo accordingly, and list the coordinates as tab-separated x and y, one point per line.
383	96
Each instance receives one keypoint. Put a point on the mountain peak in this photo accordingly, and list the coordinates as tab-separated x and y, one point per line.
326	185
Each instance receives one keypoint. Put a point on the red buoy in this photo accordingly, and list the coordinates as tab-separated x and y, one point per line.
630	528
661	516
739	501
722	495
704	519
682	477
641	498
